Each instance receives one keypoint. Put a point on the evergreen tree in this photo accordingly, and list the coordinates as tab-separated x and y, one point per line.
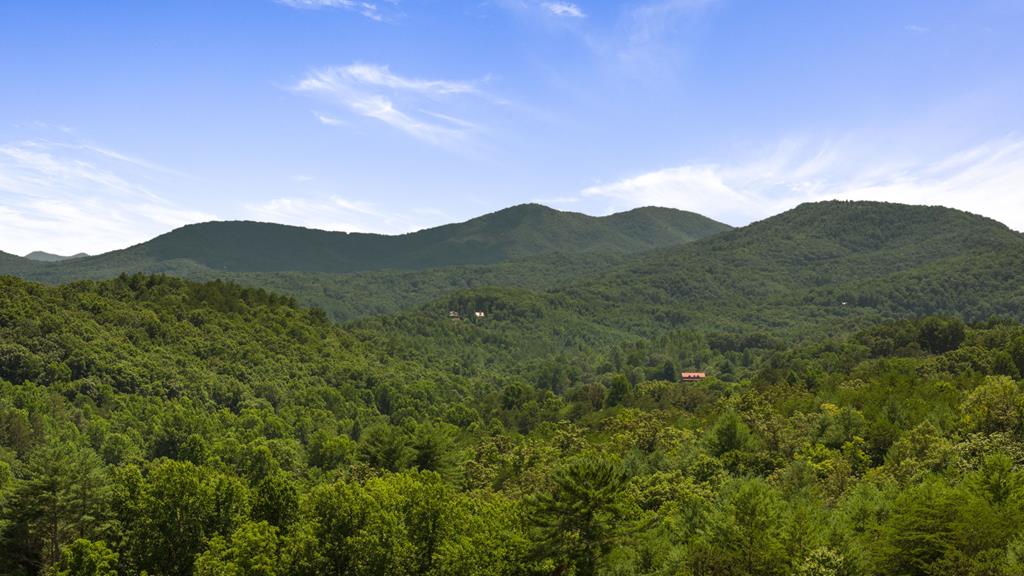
582	517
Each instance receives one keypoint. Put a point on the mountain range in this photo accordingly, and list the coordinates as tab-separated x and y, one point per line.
820	270
355	275
830	264
518	232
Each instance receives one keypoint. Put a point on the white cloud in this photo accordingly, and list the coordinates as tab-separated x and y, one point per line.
464	124
693	188
374	75
372	91
69	197
564	9
916	29
985	179
338	214
325	214
367	9
328	120
541	10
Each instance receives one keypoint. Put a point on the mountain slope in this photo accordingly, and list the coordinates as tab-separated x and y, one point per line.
517	232
821	269
889	259
354	275
13	265
8	259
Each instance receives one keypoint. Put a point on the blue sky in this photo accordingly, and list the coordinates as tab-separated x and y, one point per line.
121	120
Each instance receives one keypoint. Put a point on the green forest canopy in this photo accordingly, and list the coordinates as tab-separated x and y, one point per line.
155	425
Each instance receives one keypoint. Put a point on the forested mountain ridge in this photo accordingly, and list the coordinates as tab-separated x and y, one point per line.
882	260
824	269
831	258
9	260
154	425
868	257
517	232
528	246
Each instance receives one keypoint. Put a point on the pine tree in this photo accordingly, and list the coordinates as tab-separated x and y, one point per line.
580	520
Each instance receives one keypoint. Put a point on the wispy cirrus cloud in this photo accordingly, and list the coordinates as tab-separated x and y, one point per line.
653	34
328	120
381	76
368	9
69	197
564	9
543	9
984	179
373	91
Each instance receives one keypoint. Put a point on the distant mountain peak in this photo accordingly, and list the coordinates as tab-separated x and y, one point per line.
40	256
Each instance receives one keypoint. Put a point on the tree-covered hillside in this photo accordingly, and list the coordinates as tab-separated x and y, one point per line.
15	265
151	425
527	246
826	268
347	297
819	263
821	270
517	232
890	259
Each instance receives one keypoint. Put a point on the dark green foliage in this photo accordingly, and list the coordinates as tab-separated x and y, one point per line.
628	273
61	495
276	501
580	520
